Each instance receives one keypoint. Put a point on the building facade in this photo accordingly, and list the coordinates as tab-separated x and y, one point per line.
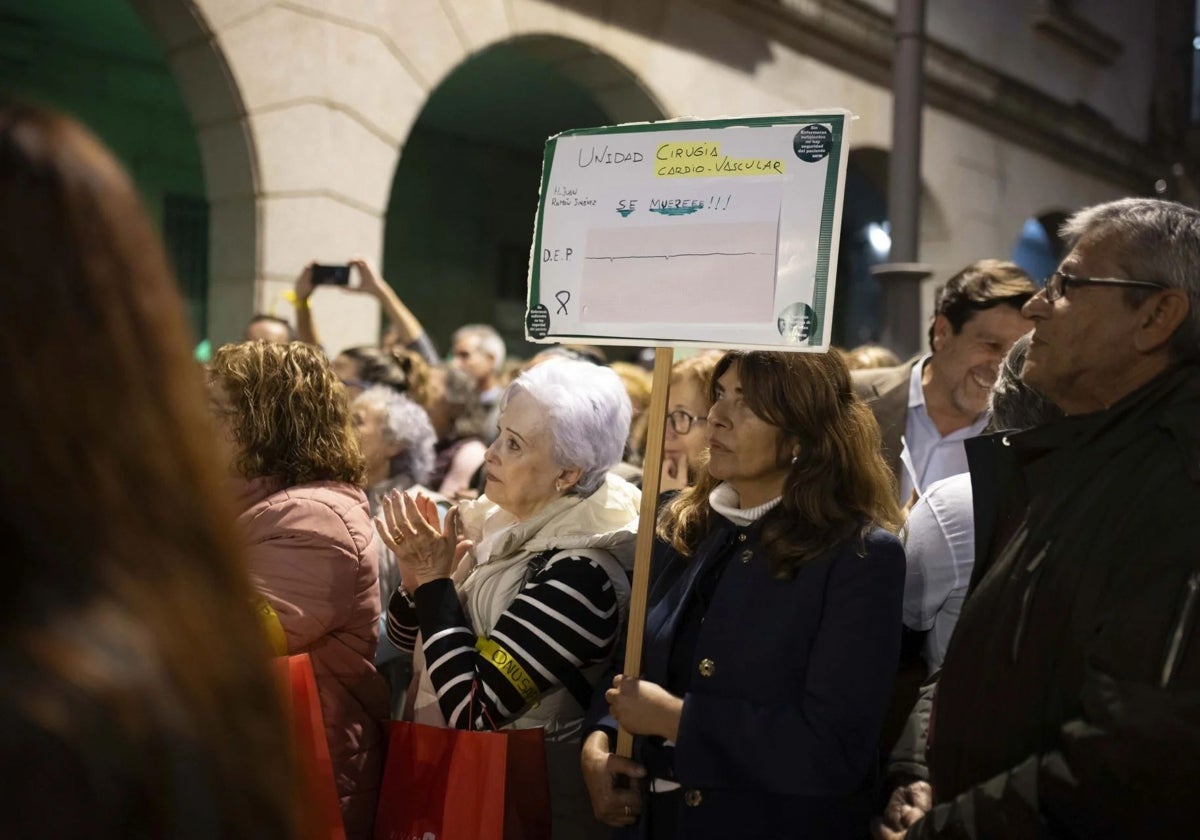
410	132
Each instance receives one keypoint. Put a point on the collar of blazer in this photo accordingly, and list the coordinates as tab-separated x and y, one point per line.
872	384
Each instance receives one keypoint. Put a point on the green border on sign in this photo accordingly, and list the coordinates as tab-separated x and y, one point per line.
828	202
825	237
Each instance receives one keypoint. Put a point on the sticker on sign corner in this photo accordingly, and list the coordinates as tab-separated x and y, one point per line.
795	322
812	143
537	321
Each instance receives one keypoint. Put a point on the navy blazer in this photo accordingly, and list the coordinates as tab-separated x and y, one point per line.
790	680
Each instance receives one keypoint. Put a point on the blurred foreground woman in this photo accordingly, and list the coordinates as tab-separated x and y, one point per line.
136	697
774	628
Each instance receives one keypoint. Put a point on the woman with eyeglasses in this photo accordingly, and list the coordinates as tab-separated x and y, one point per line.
687	410
774	629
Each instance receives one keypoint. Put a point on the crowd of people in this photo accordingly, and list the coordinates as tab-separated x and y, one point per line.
954	596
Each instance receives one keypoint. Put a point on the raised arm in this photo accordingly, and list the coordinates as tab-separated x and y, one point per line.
306	330
409	331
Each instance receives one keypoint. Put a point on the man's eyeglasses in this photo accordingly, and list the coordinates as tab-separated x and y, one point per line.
1058	283
682	421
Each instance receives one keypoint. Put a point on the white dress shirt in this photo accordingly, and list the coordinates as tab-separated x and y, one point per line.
927	456
939	547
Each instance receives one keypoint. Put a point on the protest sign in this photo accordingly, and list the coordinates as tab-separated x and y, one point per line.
690	232
711	233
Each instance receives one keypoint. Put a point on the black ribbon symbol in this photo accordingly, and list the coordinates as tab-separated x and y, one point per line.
563	298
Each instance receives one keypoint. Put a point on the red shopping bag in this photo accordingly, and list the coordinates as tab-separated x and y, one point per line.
447	784
321	815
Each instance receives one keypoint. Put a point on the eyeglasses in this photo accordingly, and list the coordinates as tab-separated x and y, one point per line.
1058	283
682	421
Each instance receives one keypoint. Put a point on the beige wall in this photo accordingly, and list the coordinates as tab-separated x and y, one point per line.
303	108
1002	34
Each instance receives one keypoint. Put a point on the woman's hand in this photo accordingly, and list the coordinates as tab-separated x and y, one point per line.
674	472
304	284
612	805
368	281
905	807
644	708
409	527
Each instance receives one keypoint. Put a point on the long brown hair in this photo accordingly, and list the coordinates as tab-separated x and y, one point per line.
288	413
125	593
839	485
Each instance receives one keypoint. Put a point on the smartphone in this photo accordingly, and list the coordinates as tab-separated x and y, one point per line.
331	275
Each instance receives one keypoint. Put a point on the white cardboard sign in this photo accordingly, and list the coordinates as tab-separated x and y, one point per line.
691	233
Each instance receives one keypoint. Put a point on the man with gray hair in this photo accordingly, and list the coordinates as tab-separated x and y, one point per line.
1068	704
478	350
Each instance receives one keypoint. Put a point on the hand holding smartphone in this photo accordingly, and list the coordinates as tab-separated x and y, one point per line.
330	275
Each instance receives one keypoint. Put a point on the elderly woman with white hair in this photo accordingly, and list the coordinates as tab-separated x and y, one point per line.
541	580
397	440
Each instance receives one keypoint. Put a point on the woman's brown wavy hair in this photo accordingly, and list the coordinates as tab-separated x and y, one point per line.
839	486
127	631
288	413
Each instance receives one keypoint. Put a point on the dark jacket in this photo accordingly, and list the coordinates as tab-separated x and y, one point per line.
779	730
1069	701
885	391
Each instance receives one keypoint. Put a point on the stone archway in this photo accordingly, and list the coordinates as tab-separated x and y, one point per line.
1039	248
146	77
214	102
465	191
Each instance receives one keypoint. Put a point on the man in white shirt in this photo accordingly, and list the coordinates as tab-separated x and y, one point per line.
939	538
927	407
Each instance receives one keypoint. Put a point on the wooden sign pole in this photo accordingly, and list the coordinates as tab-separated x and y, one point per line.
651	477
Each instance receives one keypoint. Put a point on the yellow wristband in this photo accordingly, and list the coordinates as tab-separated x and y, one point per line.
271	626
295	300
510	668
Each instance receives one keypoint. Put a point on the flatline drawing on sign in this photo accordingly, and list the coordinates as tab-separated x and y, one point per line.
677	256
680	274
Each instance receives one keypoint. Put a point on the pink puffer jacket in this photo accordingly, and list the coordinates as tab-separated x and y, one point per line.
312	556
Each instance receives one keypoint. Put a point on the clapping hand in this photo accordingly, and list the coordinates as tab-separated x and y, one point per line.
409	527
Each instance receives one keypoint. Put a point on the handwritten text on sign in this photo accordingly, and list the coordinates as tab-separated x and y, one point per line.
713	232
704	160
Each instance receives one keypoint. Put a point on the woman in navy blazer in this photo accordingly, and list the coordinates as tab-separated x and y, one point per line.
774	631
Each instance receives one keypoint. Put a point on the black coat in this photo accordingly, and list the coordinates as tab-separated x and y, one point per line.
779	730
1069	701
